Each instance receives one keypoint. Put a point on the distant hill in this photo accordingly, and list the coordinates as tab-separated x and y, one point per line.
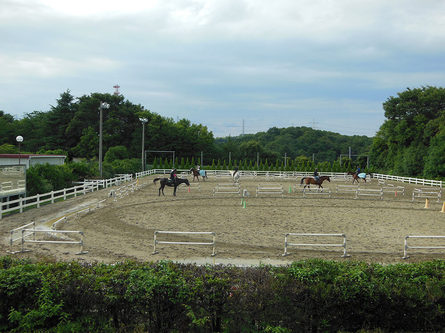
294	142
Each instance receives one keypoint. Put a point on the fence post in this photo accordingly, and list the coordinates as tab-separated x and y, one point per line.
38	200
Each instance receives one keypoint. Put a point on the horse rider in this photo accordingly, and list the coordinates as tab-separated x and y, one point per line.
198	167
357	171
316	175
173	175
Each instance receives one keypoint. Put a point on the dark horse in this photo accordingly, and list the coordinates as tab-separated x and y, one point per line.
356	176
310	180
197	173
168	182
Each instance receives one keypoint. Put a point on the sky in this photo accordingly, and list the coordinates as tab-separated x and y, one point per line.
235	66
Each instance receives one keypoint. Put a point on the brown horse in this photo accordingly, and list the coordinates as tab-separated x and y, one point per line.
356	176
310	180
197	173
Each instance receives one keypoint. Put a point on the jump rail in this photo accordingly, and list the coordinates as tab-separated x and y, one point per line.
373	192
427	193
16	230
80	242
228	188
406	247
320	192
270	189
343	245
155	241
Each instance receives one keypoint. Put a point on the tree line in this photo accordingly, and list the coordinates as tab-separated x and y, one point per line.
409	143
72	126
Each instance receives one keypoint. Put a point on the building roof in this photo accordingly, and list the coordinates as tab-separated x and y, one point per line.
28	156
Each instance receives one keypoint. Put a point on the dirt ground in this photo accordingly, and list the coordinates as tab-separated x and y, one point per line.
122	228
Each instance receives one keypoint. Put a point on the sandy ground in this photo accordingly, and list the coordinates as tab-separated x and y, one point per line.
123	227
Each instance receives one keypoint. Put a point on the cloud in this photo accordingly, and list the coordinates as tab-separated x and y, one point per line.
271	63
41	66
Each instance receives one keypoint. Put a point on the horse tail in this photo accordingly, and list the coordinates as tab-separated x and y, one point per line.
302	180
155	180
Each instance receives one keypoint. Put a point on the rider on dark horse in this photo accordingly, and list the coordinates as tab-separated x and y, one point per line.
173	176
316	175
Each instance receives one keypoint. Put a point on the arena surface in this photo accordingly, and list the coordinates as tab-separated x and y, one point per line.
246	234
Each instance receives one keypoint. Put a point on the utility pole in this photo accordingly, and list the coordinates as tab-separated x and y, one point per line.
102	106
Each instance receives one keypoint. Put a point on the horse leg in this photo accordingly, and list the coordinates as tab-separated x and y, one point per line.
174	190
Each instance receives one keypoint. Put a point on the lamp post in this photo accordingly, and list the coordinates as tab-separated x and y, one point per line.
143	121
102	106
19	139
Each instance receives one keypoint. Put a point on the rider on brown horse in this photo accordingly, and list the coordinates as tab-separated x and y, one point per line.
316	175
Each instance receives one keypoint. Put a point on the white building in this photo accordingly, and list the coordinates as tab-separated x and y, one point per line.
31	159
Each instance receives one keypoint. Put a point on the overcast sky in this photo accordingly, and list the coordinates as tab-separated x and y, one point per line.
327	64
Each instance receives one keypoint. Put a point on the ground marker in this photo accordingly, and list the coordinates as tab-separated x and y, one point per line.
427	204
443	208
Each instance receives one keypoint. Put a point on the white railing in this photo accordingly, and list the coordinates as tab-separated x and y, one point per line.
42	241
156	241
406	247
409	180
287	244
37	200
298	174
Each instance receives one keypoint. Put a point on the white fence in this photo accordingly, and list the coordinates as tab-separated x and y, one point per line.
427	193
227	189
37	200
340	176
406	247
269	189
156	241
25	237
410	180
18	230
343	245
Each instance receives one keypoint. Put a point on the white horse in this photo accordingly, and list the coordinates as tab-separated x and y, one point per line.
235	175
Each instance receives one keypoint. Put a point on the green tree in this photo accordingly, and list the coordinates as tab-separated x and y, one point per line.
414	118
116	153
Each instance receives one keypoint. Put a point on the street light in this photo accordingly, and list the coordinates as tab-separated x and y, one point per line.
102	106
143	121
19	139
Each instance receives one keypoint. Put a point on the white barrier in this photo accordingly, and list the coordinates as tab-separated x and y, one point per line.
396	190
343	245
427	193
16	230
192	187
227	188
34	231
346	188
406	247
280	175
269	189
156	241
372	192
317	192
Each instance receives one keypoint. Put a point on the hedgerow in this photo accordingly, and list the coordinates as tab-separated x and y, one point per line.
312	295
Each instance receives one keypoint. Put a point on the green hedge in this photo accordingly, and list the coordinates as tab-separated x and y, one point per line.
312	295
